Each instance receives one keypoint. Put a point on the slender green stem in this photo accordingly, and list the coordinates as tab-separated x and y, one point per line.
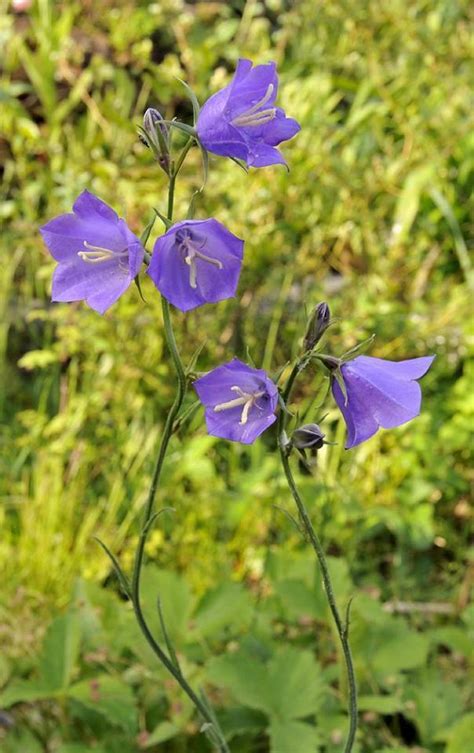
211	726
342	628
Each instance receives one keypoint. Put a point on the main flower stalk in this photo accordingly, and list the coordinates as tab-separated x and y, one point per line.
210	724
342	627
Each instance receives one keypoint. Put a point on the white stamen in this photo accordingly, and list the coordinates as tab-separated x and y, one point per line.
254	116
193	253
97	254
246	399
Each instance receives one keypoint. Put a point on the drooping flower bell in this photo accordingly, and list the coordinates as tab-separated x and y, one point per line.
240	401
98	255
196	262
241	120
379	393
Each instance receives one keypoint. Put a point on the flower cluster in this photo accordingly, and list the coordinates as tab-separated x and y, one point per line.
198	262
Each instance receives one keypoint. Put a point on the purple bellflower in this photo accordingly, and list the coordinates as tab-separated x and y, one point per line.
196	262
380	393
98	256
240	401
241	120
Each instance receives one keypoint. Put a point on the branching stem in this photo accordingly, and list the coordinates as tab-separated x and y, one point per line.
342	628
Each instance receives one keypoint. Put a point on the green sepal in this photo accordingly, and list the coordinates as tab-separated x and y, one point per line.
240	163
192	363
184	127
193	98
186	415
146	232
249	358
192	205
137	282
205	161
336	374
166	222
357	349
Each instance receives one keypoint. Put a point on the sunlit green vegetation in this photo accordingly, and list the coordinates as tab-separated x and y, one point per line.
374	218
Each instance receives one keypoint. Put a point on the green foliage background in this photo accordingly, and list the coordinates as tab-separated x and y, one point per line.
374	217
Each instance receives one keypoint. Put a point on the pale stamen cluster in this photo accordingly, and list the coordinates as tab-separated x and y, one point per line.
254	116
246	399
193	251
98	254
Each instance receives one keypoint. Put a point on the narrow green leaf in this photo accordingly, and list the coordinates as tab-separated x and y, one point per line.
193	98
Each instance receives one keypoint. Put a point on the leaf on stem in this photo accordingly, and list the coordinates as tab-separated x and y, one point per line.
118	570
169	645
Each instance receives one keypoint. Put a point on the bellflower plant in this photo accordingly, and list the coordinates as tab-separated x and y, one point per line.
379	393
240	401
241	120
197	261
98	256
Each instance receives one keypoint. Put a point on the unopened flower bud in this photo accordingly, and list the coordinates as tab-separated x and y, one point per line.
155	134
319	321
308	437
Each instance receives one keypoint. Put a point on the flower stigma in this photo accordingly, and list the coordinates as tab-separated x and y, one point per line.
246	399
98	254
254	116
192	250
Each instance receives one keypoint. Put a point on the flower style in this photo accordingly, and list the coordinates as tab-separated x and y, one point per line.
240	401
241	120
379	393
98	256
196	262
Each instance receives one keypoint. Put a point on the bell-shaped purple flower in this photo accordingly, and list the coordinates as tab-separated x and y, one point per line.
241	120
196	262
379	393
98	256
240	401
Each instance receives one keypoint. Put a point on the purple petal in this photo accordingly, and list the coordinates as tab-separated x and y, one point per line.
89	206
413	368
215	387
65	235
262	155
380	393
232	430
280	129
360	423
218	387
247	90
217	264
78	281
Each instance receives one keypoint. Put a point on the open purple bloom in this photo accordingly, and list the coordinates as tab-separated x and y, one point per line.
241	120
196	262
240	401
98	256
380	393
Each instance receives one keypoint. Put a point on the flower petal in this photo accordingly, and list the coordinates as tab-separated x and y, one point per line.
78	281
413	368
262	155
360	423
89	206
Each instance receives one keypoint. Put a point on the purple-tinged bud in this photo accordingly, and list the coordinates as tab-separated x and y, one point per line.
308	437
155	134
319	321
